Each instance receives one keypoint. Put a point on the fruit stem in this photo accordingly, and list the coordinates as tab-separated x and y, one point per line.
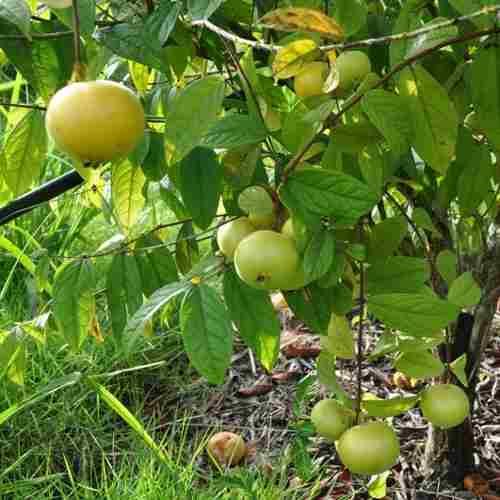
77	65
359	357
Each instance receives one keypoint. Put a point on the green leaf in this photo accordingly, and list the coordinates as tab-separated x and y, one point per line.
326	366
253	314
156	302
466	7
420	315
342	302
127	182
385	408
447	265
154	165
386	237
464	291
319	255
123	291
435	120
389	113
474	183
13	356
350	14
207	333
18	13
432	38
296	131
202	9
332	193
201	185
339	341
397	274
458	367
187	251
234	131
74	306
421	364
354	137
408	20
87	14
423	220
160	24
191	114
377	487
24	152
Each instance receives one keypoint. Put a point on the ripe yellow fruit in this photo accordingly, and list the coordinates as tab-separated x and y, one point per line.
58	4
95	121
445	405
229	235
267	260
227	448
369	448
331	419
260	221
309	82
352	66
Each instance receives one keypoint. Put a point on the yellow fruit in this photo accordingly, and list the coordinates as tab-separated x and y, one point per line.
352	66
331	419
227	448
287	229
95	121
260	221
309	82
229	235
369	448
269	261
445	405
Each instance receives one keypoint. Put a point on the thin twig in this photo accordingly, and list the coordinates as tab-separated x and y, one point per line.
38	36
359	355
76	36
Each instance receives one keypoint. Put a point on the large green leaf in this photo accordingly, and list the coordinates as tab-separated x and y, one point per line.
408	20
385	408
447	265
13	356
435	120
466	7
87	15
253	314
350	14
18	13
200	184
354	137
202	9
327	376
418	314
123	290
432	38
127	182
389	113
464	291
485	90
191	114
421	364
74	305
397	274
160	24
234	131
187	251
319	254
340	340
321	192
386	237
207	333
24	152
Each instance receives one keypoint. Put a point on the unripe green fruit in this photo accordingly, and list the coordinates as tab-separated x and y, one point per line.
58	4
309	82
267	260
95	121
352	66
445	405
331	419
231	234
370	448
262	221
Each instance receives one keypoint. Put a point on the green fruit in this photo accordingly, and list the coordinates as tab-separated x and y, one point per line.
268	260
309	82
370	448
260	221
229	235
287	229
352	66
445	405
331	419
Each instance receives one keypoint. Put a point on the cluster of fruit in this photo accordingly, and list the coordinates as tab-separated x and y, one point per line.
373	447
263	258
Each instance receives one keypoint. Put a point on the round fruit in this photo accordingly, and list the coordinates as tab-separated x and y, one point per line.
95	121
331	419
309	82
268	260
260	221
229	235
287	229
352	66
445	405
369	448
227	448
58	4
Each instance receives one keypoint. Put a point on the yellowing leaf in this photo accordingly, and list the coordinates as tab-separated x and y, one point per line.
300	19
340	339
291	58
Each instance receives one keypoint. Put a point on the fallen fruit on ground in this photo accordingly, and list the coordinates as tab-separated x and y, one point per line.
229	235
369	448
309	82
227	448
352	66
269	261
331	419
445	405
95	121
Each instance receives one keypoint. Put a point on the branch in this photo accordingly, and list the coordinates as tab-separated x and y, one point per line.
38	36
492	9
359	355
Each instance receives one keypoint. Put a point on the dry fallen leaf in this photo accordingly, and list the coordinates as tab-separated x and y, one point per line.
261	387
